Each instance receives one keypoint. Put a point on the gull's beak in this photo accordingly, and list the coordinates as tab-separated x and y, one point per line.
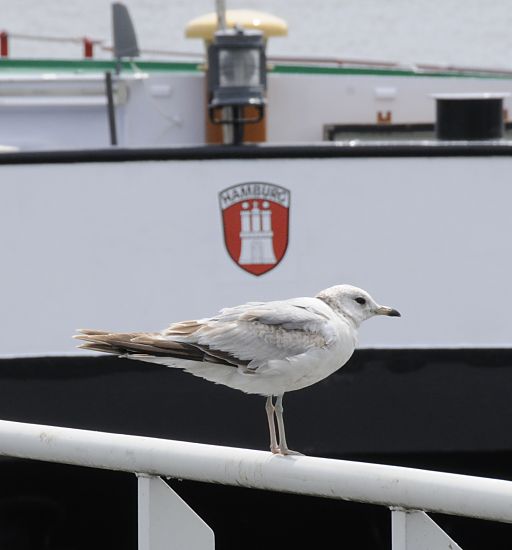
389	311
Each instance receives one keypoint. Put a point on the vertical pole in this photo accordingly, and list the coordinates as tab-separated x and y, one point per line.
111	108
88	48
221	14
227	129
4	44
238	134
238	127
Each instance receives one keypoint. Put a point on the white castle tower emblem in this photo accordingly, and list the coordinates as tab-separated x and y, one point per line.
256	235
255	219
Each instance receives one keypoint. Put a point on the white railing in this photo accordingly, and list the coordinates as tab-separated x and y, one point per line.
163	516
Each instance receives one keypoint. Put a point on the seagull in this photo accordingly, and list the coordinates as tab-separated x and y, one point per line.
265	348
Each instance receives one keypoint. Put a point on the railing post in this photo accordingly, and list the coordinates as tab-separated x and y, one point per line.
4	44
166	521
414	530
88	47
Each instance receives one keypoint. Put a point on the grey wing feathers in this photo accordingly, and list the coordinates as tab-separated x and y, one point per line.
151	344
243	336
121	343
258	332
288	316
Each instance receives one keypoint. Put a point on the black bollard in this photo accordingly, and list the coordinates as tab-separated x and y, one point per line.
469	116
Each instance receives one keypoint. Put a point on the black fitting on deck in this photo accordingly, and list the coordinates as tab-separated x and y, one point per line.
469	116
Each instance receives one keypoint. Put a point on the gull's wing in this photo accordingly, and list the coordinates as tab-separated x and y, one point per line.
258	332
245	336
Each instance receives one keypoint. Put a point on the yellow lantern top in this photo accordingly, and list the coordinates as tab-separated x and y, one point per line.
205	26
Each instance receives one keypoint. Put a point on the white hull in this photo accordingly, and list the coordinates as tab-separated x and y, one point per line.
135	245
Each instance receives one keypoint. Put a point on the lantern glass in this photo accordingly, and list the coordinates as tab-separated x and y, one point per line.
239	67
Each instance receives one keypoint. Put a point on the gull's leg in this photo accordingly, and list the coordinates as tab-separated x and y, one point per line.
269	408
283	446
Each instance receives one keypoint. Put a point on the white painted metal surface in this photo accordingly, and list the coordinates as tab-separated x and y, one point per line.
67	110
426	235
414	530
391	486
166	522
178	117
350	99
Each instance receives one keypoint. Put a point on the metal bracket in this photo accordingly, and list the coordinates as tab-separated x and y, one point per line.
166	521
414	530
234	117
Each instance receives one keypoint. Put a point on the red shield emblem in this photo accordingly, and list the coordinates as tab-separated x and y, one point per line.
255	217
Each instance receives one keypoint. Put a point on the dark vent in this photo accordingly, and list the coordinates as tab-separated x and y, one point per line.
470	116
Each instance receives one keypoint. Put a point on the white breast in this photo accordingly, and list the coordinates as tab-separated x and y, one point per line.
297	372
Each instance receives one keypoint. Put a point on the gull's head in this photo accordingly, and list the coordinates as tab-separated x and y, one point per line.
354	303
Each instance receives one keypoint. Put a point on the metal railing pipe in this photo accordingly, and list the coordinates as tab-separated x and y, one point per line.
391	486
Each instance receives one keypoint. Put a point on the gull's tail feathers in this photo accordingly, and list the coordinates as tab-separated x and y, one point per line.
157	345
149	343
212	365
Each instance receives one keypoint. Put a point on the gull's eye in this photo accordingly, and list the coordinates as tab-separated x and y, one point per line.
360	300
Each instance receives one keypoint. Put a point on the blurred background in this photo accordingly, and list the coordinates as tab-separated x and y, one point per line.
462	32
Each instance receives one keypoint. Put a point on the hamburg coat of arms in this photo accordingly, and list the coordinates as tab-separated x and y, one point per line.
255	218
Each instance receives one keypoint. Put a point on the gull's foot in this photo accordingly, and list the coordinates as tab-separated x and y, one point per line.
286	451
